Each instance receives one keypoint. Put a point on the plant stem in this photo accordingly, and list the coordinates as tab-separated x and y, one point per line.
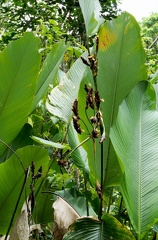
87	43
100	209
110	198
85	184
95	83
18	200
67	129
106	165
84	141
102	178
102	166
13	153
49	167
85	124
120	207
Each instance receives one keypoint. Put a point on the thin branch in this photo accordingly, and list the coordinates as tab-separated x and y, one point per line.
85	185
85	125
110	200
84	141
17	202
156	39
102	179
13	153
44	178
87	43
120	207
95	83
67	129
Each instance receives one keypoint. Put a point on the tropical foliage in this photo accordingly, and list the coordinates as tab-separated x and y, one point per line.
78	141
149	28
50	20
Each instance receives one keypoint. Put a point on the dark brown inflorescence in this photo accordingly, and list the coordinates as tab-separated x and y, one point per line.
77	125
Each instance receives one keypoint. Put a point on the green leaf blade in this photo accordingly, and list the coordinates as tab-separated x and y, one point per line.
12	177
93	19
135	138
66	91
121	62
19	66
49	70
79	156
91	228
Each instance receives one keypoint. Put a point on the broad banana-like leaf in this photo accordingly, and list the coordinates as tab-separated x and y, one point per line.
120	66
66	91
12	178
90	228
91	11
49	70
43	212
19	67
79	156
135	139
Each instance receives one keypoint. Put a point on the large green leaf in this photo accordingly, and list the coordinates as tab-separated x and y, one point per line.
120	66
49	70
66	91
93	19
79	156
19	67
12	177
108	228
135	139
43	212
121	62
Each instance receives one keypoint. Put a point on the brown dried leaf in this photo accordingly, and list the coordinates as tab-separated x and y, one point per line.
64	216
20	230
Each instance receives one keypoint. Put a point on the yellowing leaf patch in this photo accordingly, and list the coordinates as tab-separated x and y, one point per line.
106	38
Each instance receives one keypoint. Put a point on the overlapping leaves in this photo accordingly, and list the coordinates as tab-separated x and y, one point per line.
135	139
12	178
